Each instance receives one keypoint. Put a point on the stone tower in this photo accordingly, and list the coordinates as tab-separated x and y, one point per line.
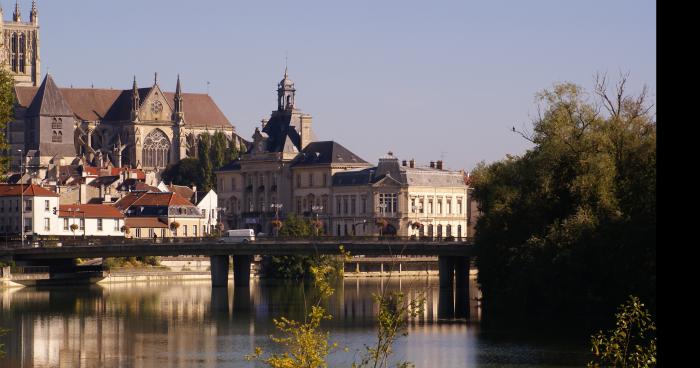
20	46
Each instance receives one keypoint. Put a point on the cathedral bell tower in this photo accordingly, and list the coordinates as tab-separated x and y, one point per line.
285	93
179	119
20	47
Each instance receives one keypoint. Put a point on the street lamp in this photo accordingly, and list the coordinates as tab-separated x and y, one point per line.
277	207
316	209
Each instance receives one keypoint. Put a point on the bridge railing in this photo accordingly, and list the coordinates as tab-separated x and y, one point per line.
116	241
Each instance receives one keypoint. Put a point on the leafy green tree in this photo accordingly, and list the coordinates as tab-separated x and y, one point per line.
6	116
297	266
569	228
631	344
206	168
218	149
185	172
232	151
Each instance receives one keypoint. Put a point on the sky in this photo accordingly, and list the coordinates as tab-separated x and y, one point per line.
427	80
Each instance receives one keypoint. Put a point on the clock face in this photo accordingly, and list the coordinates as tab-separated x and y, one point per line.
157	107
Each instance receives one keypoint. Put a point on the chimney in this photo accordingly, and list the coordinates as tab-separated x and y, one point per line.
432	164
305	127
403	163
412	163
439	165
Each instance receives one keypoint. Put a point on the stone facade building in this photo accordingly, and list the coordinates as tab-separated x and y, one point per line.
143	128
20	46
403	200
286	170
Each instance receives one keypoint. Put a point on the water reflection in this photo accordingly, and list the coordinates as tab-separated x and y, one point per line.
191	324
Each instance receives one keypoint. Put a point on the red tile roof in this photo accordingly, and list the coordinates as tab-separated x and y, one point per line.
32	190
152	199
148	222
89	211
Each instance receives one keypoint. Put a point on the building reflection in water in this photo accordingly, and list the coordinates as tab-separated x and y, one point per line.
178	324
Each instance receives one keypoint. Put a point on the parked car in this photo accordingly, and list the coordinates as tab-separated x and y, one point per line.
238	236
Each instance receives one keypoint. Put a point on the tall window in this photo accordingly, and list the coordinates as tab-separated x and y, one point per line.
233	183
298	181
325	180
311	179
27	204
65	224
56	123
57	136
46	205
99	224
47	224
82	224
22	53
116	225
15	52
156	149
387	202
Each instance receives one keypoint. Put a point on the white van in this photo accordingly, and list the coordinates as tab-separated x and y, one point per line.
238	236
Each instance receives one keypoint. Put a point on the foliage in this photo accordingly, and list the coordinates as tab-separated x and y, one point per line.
131	262
7	100
218	149
126	230
569	228
394	312
73	228
185	172
631	344
2	347
206	166
297	266
305	344
232	152
174	225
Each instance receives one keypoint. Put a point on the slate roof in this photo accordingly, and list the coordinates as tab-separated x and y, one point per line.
281	134
49	101
231	166
354	177
327	153
93	104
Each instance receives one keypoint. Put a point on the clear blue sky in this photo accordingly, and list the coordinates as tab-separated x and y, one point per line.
420	78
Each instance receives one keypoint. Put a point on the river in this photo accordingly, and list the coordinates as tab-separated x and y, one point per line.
189	324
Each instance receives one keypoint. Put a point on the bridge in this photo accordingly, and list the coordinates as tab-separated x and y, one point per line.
453	256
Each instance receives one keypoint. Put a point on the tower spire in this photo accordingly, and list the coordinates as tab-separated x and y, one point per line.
17	15
155	78
34	15
179	112
135	101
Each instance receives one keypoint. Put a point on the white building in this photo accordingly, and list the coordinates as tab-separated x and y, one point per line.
210	212
40	209
44	216
90	219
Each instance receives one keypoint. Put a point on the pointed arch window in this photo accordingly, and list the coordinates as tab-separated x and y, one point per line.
22	52
156	149
15	51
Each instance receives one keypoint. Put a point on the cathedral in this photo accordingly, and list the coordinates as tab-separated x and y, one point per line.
146	128
20	46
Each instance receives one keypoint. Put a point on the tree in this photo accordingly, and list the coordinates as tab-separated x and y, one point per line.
205	161
232	151
73	228
569	228
218	149
186	172
6	115
174	226
631	344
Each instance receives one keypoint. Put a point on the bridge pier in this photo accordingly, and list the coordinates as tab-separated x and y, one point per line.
446	301
241	270
462	287
453	298
219	270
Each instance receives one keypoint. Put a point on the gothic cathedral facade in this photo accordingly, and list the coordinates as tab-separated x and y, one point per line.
20	46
